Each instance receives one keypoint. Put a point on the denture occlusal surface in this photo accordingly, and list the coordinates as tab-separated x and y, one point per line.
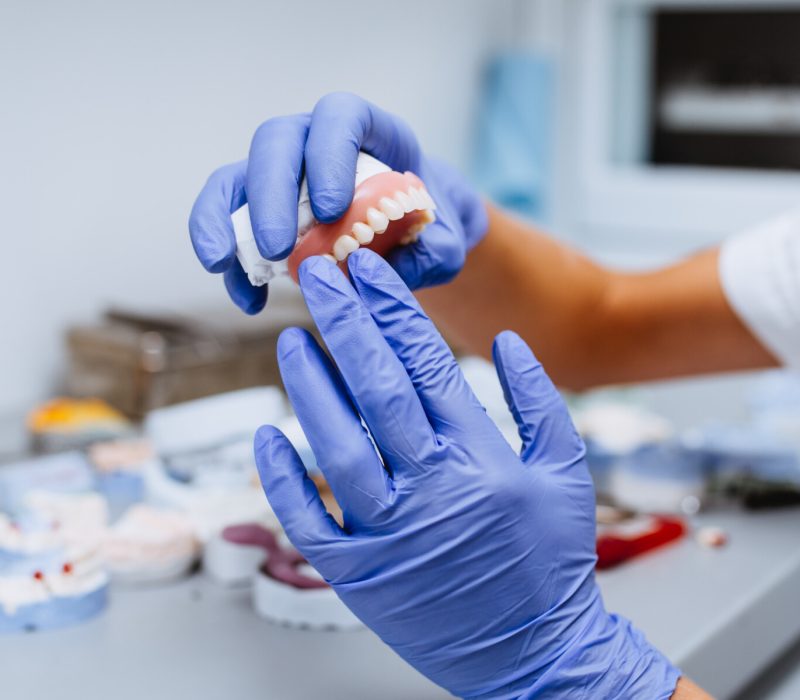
394	206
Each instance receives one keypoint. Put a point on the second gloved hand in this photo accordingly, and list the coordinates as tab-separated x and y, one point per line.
324	146
472	562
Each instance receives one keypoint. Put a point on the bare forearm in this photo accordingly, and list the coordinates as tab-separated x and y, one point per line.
590	325
677	322
686	690
517	278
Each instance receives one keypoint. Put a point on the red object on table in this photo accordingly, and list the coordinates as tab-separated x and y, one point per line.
614	548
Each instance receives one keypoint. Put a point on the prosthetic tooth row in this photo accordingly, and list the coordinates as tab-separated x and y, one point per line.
344	246
377	220
389	209
363	233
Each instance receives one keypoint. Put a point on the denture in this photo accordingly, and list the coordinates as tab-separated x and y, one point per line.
389	208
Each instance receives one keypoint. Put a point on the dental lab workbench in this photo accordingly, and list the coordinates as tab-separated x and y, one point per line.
722	615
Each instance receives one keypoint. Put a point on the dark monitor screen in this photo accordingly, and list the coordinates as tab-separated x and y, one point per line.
725	88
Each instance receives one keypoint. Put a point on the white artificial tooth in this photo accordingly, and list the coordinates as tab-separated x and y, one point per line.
429	203
416	229
329	258
417	198
404	201
344	246
391	208
428	216
363	233
377	220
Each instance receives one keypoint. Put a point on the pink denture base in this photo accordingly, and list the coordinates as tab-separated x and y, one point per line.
319	240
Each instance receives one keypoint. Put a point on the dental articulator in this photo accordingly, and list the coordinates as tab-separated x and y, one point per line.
388	209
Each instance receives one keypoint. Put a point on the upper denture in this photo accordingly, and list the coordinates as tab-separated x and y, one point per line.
388	209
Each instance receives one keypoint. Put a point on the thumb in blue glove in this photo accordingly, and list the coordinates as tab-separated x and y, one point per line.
473	563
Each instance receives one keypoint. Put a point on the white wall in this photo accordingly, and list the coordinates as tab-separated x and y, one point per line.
114	114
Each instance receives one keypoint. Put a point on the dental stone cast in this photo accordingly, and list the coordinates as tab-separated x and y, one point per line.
51	570
388	209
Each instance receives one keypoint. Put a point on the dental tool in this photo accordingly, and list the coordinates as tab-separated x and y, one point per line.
388	209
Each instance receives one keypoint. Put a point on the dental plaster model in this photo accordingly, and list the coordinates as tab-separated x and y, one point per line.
209	507
234	556
75	517
148	545
206	467
119	467
209	441
64	472
388	209
49	576
289	591
286	589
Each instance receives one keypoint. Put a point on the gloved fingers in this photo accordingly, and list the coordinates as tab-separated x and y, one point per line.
342	124
445	395
436	258
248	298
372	373
470	207
210	225
344	452
292	494
274	172
544	424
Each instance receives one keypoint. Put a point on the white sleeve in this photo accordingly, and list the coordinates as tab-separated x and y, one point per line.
760	274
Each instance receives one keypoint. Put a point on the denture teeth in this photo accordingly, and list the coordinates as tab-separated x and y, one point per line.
428	216
329	258
417	198
416	229
344	246
404	201
429	203
377	220
391	208
363	233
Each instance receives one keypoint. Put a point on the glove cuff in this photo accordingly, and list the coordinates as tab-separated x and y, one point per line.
610	659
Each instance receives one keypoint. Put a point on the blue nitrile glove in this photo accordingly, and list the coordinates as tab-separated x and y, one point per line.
326	143
476	565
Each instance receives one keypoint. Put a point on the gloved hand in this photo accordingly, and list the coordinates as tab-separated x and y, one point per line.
473	563
326	144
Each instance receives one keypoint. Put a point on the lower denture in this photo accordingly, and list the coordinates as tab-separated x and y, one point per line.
388	209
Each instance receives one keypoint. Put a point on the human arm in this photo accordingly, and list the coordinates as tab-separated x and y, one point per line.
592	325
686	690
